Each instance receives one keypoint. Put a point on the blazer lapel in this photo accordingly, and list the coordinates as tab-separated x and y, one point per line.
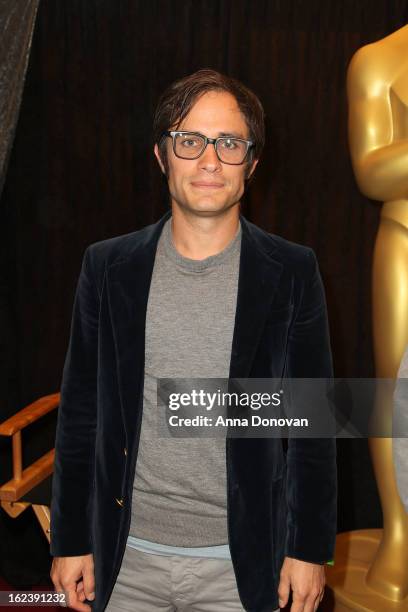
259	276
128	283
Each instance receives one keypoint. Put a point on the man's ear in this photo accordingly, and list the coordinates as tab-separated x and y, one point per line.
157	154
253	166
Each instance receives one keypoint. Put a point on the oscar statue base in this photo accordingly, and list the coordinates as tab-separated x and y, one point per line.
346	587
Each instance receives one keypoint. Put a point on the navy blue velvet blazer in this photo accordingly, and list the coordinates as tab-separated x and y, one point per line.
279	503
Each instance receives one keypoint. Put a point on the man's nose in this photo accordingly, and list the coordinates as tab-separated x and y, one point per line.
209	160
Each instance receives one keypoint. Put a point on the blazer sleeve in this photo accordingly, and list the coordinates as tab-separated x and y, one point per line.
311	462
73	478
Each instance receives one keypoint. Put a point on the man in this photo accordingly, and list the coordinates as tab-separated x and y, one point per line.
194	524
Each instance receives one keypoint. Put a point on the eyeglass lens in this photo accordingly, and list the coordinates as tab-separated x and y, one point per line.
230	150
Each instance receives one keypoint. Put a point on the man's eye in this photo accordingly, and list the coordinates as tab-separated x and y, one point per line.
229	144
190	142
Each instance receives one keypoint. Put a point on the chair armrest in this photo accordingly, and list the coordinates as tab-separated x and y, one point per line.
29	414
24	480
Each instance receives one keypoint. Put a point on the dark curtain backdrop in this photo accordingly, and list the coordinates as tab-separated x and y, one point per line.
16	30
82	169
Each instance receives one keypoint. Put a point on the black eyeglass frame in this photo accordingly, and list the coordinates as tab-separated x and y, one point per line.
173	133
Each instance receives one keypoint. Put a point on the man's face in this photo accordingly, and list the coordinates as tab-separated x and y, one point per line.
206	186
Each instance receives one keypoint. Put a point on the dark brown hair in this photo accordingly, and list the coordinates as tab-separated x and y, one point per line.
177	100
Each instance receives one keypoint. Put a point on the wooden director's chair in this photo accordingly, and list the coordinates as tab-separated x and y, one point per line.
30	486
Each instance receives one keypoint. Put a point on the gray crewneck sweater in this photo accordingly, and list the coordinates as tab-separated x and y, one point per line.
179	491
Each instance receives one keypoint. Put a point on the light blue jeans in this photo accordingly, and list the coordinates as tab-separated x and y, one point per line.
156	583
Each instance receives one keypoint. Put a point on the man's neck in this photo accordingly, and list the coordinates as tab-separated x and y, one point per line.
198	237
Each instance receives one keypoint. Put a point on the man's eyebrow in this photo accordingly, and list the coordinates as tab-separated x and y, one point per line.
231	135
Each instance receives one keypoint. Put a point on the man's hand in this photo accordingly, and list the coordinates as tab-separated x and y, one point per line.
307	581
66	571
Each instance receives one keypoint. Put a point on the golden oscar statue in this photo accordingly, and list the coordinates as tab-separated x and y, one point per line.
371	566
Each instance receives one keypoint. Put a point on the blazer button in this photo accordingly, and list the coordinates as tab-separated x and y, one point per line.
120	501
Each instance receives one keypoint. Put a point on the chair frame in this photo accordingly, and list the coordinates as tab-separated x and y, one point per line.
25	479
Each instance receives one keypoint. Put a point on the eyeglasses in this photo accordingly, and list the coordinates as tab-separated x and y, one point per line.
229	150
